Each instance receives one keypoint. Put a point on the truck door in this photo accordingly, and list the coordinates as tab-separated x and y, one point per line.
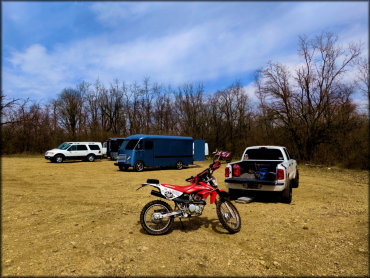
290	169
199	150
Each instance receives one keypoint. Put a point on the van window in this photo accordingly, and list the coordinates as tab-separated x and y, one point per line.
148	145
94	147
81	148
139	145
129	144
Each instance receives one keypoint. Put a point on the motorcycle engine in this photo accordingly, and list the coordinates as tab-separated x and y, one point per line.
195	209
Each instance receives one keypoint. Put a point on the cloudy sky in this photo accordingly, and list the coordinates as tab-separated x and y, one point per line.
49	46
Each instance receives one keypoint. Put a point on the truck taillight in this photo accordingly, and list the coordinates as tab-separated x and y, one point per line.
227	172
280	174
236	170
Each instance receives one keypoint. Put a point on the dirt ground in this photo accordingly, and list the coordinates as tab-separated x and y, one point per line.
82	219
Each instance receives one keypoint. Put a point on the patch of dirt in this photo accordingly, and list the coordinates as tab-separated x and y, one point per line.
81	218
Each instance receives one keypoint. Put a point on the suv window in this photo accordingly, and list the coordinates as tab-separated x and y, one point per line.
81	148
265	153
94	147
73	148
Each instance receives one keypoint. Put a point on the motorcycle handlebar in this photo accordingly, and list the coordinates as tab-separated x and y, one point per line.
189	179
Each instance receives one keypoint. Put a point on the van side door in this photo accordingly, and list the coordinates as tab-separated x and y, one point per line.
139	151
148	157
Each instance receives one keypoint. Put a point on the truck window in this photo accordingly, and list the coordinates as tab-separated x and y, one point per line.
265	153
286	153
148	145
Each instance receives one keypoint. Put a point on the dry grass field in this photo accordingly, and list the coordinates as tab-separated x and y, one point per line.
82	219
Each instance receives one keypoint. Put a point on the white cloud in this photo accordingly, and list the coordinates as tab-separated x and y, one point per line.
204	50
251	90
112	13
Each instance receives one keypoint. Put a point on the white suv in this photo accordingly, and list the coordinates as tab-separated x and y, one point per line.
75	150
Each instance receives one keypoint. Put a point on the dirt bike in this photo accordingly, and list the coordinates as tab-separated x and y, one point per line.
221	155
157	217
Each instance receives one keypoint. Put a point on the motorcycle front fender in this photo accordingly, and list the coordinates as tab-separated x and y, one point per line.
213	197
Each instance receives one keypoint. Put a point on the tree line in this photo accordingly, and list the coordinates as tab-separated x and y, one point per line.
309	109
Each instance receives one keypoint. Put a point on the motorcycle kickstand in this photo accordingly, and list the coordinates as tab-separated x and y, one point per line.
182	225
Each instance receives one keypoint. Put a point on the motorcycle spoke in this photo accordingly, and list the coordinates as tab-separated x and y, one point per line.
228	215
153	217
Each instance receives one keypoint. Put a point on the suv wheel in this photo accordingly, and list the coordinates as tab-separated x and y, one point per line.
90	158
58	158
139	166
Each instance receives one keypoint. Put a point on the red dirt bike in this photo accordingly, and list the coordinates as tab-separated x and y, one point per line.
157	217
221	155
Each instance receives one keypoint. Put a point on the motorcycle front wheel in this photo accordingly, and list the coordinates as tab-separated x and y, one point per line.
228	216
151	218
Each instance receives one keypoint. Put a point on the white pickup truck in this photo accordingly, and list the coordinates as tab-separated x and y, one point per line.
263	168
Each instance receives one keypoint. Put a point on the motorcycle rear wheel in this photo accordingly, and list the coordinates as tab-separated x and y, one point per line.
150	221
228	216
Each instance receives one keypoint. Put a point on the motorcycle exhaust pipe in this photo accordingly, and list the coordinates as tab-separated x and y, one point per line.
157	194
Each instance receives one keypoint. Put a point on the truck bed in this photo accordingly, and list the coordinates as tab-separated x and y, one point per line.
257	170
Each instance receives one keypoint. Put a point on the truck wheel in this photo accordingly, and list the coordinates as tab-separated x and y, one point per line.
296	180
139	166
179	165
58	158
286	195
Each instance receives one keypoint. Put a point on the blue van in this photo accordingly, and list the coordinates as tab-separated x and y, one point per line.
140	150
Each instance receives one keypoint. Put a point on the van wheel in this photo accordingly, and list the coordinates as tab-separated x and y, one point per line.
139	166
58	158
286	195
179	165
90	158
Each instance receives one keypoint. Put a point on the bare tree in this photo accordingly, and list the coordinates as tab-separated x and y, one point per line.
305	102
69	109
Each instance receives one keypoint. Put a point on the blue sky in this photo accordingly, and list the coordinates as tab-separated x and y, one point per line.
47	46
